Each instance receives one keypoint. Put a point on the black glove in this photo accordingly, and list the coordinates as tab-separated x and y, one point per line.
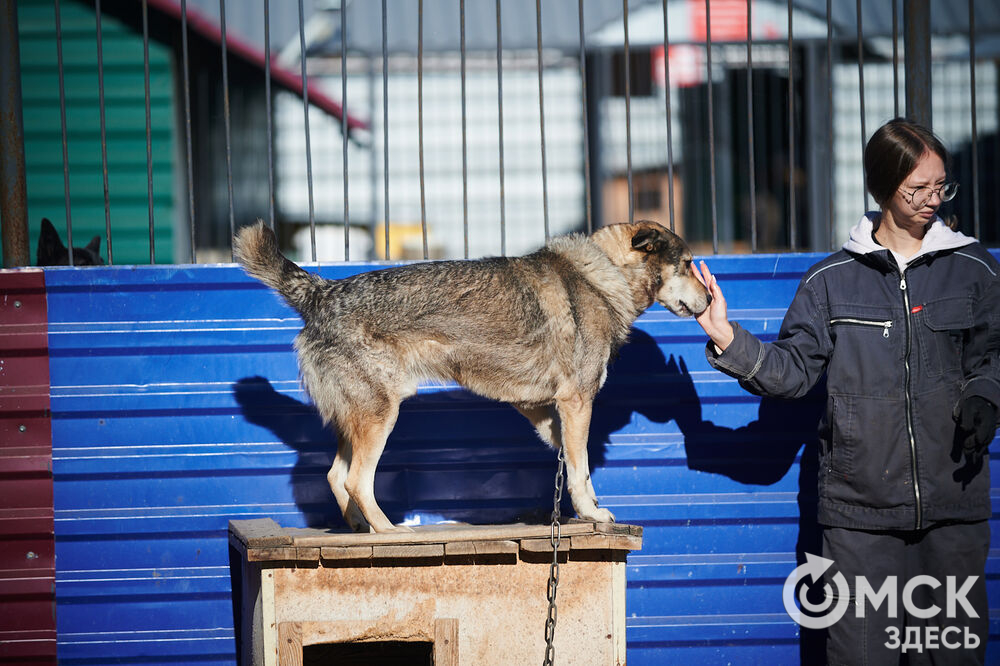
977	420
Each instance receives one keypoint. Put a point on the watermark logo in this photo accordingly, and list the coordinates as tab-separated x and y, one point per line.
825	613
834	606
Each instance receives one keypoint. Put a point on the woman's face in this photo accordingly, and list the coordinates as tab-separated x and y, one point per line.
905	207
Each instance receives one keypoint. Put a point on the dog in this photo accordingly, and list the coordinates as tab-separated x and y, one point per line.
536	331
52	252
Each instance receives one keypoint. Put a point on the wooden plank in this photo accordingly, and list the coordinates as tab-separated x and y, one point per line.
259	533
590	542
434	534
272	554
340	553
544	545
265	541
408	551
289	644
307	554
605	542
618	528
359	632
267	619
626	543
618	611
481	548
446	642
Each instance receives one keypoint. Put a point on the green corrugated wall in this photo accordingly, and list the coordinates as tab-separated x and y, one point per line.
124	97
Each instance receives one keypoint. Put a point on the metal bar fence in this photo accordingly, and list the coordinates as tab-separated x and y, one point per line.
590	216
711	127
269	112
344	132
503	207
628	116
303	60
895	58
588	194
465	139
227	114
104	129
385	120
149	127
541	116
420	122
188	153
62	128
752	172
669	115
792	174
13	190
975	123
861	89
829	105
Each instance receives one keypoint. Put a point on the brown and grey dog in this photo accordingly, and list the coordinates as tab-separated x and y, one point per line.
536	331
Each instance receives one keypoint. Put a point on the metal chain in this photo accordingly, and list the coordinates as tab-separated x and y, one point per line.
555	537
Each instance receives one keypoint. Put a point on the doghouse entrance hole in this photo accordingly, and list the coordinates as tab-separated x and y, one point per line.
387	653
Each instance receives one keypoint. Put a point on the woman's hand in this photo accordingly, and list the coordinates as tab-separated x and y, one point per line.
714	320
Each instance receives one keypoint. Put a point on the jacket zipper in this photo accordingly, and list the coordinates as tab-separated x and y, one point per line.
884	325
909	403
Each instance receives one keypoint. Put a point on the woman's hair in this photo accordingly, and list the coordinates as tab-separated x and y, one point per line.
893	152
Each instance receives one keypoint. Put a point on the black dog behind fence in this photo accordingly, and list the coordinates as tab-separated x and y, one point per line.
748	149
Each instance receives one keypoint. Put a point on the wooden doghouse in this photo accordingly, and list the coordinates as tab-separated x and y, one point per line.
451	594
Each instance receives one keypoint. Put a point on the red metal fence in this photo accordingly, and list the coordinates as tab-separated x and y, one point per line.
27	548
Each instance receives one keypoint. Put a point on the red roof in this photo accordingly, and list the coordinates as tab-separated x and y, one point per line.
207	28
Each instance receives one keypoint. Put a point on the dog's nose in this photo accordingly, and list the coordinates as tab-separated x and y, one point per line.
708	299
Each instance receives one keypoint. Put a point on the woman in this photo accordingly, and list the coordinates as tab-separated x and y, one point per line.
905	322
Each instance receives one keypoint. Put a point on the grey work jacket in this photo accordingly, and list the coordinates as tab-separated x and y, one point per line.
900	351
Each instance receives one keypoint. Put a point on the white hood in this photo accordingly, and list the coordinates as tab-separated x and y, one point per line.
938	237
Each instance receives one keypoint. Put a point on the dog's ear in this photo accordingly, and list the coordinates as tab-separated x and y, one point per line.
51	251
49	234
90	255
648	239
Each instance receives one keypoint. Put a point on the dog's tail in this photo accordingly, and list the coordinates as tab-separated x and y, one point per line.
256	249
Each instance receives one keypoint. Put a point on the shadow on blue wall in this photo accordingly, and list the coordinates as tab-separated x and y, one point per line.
761	452
418	475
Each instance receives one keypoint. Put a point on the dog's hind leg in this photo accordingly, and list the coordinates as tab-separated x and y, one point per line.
371	428
575	412
363	415
337	478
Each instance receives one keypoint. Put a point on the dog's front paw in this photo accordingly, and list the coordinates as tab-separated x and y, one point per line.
600	516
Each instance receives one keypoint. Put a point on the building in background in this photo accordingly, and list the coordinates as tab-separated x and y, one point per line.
806	195
802	189
128	189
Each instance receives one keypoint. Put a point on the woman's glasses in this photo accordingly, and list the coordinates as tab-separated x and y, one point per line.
919	197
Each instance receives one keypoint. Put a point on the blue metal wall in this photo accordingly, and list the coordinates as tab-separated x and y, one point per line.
176	407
